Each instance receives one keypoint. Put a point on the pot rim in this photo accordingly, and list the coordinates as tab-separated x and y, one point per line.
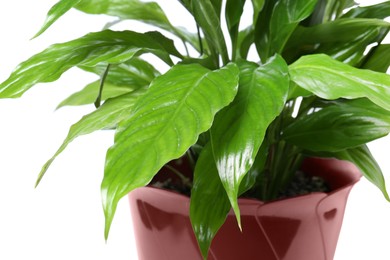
352	173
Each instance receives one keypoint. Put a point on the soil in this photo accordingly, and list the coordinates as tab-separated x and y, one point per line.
168	184
302	184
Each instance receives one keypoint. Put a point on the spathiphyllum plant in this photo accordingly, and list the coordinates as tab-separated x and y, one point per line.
316	85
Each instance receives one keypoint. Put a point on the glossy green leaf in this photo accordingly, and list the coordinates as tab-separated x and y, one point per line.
363	159
331	79
147	12
209	203
233	12
329	10
262	29
284	19
134	73
379	11
351	52
108	116
217	4
90	92
341	30
379	60
245	40
207	18
166	43
55	13
239	129
179	106
121	78
234	9
339	126
107	47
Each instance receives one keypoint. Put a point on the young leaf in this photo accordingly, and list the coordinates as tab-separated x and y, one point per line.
239	129
331	79
109	47
108	115
178	106
209	204
207	18
55	13
339	126
233	12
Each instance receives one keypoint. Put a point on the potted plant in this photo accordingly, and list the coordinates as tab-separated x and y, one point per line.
317	88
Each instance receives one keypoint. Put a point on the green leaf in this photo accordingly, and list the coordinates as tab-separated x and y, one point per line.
207	18
239	129
341	30
380	59
88	94
285	17
179	106
331	79
338	31
329	10
108	47
339	125
59	9
121	78
379	11
257	7
165	42
134	73
106	116
363	159
209	204
245	40
146	12
351	52
234	9
233	12
217	4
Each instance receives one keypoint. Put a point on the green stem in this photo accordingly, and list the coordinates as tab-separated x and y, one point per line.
103	79
183	178
200	40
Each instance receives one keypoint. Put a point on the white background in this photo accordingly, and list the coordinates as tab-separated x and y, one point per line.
63	218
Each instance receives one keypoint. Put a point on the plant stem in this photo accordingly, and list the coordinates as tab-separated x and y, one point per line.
103	79
200	40
183	178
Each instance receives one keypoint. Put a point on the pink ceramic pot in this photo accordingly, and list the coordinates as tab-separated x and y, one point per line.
300	228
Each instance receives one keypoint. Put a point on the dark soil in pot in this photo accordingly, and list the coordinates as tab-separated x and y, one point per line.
169	179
